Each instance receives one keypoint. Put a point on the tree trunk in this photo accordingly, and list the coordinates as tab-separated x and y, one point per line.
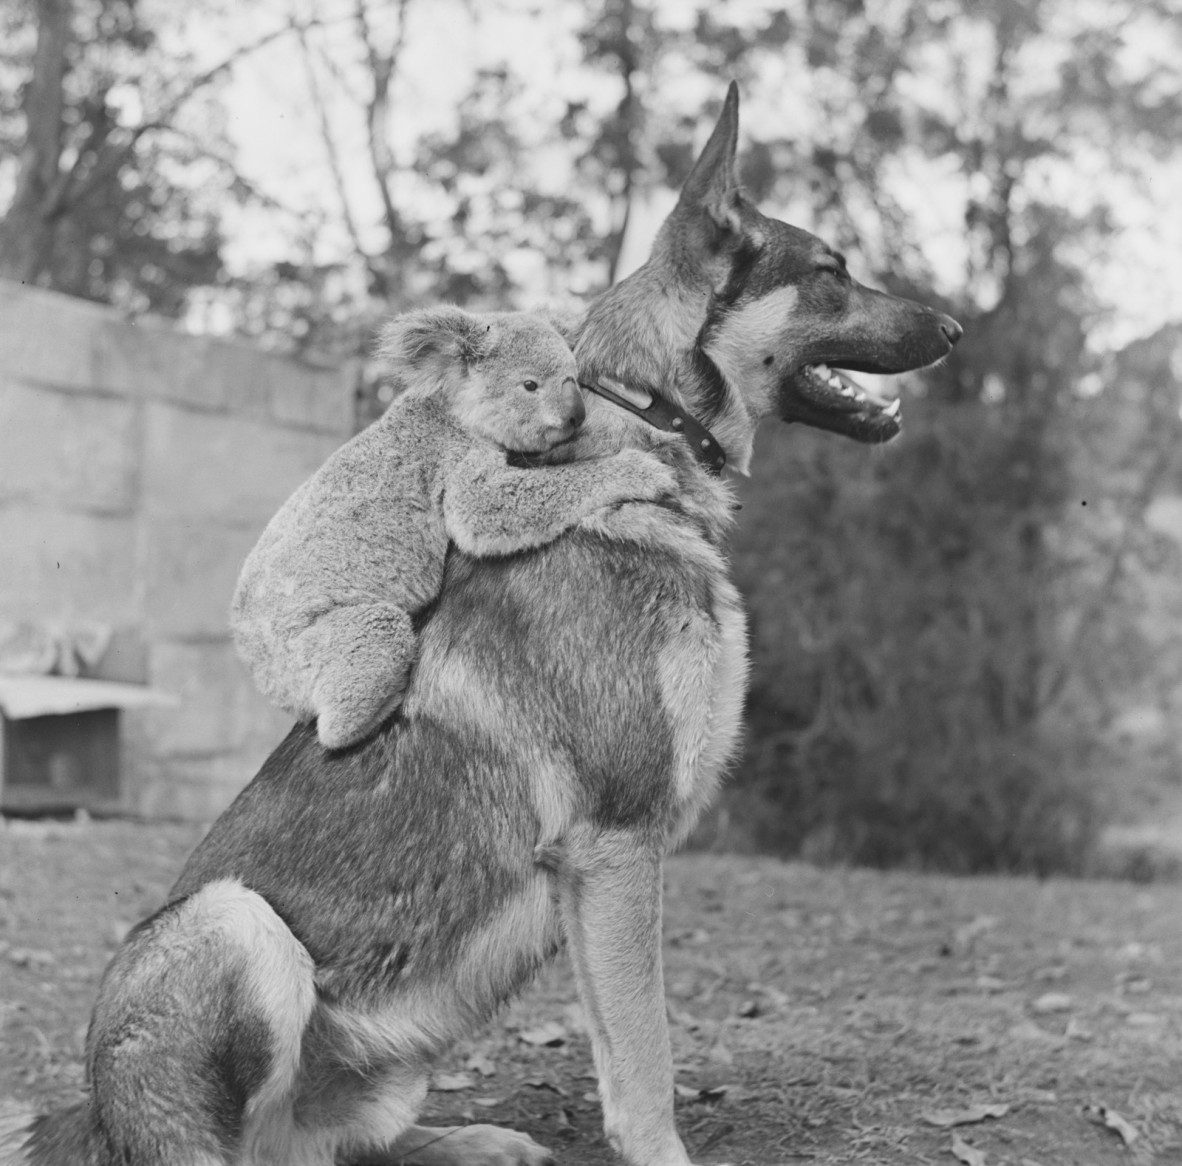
26	233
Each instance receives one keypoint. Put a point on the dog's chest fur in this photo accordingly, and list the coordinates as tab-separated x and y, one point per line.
619	653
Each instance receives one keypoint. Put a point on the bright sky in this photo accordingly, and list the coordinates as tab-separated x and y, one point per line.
278	137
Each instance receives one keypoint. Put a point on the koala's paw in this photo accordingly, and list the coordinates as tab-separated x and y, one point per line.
642	477
340	725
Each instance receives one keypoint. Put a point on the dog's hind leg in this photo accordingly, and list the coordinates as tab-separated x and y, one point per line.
194	1045
609	889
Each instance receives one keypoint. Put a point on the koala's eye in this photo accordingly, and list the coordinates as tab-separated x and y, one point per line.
530	386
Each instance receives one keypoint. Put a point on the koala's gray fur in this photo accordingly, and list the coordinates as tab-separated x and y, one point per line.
322	611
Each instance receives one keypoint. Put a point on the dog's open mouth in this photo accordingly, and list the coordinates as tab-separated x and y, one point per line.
826	398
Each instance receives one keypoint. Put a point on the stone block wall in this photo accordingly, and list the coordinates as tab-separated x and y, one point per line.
138	465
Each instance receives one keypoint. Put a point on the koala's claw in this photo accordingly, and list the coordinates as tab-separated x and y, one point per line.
644	477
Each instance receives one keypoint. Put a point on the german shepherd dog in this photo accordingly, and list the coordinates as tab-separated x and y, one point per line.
354	912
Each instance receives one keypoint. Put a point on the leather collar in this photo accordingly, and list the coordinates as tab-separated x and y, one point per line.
664	415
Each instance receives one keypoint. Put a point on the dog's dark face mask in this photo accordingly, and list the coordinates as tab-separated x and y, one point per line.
832	325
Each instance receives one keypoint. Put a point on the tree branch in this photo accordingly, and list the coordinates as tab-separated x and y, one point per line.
382	67
333	154
110	162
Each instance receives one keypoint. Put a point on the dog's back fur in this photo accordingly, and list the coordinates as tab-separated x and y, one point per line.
572	712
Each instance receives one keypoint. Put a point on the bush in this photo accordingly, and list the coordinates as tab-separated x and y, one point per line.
905	629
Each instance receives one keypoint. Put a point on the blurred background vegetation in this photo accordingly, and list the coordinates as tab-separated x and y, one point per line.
968	645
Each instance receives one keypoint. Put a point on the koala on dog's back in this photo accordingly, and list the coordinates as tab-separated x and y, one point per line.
322	611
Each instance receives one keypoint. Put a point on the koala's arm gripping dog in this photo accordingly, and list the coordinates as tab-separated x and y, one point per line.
491	508
323	610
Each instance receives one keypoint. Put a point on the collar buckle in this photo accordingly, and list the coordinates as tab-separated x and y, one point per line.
663	415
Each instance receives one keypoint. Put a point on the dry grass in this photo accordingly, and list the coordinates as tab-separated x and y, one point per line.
837	1007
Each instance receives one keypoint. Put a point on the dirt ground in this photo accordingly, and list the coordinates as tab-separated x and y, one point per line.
817	1016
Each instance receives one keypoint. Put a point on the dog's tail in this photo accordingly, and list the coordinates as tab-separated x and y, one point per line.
65	1138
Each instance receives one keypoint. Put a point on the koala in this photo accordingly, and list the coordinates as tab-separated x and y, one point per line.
322	613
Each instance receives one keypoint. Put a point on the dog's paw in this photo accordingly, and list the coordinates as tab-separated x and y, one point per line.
475	1145
494	1146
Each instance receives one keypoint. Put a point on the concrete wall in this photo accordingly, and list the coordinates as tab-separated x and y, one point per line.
137	467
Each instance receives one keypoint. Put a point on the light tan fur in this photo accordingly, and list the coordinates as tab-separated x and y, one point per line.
738	351
323	610
609	887
704	704
280	986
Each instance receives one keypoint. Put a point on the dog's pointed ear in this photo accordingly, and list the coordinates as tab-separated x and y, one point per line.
713	184
434	342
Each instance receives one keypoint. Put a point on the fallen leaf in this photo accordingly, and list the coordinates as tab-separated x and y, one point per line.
542	1083
550	1034
750	1009
710	1093
947	1118
720	1054
1143	1019
1051	974
479	1063
451	1082
486	1102
967	1154
1051	1002
1104	1116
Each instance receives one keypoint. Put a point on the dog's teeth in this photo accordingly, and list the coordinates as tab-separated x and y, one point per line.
846	390
822	370
892	410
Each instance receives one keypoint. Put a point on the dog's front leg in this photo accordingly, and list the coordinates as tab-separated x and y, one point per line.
609	889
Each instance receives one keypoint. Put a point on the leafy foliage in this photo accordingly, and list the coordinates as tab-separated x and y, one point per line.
945	633
117	192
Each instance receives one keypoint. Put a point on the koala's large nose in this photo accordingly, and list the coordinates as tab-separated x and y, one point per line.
571	404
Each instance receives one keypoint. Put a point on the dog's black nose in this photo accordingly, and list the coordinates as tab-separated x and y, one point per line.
951	329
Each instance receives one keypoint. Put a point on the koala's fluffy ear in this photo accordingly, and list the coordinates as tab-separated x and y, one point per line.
432	342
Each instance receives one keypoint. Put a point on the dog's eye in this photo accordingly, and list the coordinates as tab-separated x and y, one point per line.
530	386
